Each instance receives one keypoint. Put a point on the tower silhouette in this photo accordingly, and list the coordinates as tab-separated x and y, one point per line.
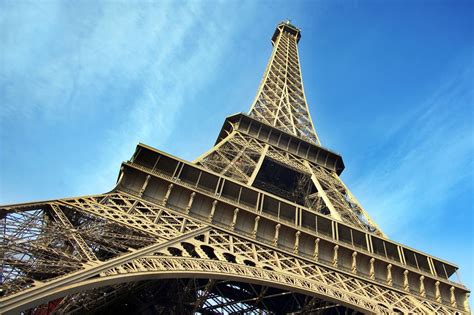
260	223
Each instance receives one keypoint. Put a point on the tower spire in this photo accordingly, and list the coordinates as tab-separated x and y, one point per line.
280	100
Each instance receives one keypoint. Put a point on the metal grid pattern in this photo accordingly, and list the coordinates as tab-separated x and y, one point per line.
239	156
280	100
188	248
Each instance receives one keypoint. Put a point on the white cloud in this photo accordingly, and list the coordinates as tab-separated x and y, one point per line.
428	160
72	62
181	57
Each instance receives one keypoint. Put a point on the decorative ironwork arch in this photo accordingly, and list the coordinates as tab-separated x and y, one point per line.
162	267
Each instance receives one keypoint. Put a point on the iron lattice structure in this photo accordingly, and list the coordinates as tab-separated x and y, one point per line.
261	223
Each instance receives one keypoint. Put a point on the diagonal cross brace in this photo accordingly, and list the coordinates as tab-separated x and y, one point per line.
28	298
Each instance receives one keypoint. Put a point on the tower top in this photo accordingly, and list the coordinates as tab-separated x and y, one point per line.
280	100
286	26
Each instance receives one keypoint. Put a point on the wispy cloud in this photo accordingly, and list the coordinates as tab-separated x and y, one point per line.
126	70
184	58
429	160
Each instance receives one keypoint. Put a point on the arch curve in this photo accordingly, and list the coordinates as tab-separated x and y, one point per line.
161	267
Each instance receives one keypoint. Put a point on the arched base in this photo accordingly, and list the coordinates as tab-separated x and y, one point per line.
155	267
188	296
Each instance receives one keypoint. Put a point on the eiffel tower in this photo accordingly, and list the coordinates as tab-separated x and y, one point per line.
261	223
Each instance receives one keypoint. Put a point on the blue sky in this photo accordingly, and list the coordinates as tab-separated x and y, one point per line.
390	87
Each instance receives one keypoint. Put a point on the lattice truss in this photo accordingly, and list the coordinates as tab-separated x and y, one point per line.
236	157
47	240
341	200
107	243
280	100
187	296
239	156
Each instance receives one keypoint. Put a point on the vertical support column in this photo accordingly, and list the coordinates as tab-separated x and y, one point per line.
258	209
234	219
466	302
145	184
437	292
372	269
389	274
335	255
371	245
218	186
213	210
231	243
316	249
402	251
400	255
167	195
156	163
221	188
335	230
422	286
277	233
406	284
297	242
255	226
368	240
190	202
432	268
354	263
296	216
178	170
453	297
